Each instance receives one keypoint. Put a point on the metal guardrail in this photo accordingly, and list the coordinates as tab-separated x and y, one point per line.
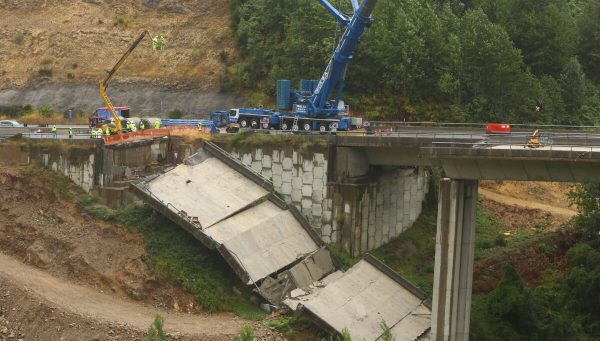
571	148
478	125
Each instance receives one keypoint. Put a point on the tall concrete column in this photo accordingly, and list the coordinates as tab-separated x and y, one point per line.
454	248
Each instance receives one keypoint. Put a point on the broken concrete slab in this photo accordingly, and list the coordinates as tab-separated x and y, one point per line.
362	298
312	268
263	238
209	190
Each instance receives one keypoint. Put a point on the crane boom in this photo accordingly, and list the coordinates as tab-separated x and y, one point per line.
104	82
335	72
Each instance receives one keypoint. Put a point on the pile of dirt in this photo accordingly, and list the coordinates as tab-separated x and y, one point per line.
85	276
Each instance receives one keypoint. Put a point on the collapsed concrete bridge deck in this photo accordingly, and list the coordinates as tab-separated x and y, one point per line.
270	245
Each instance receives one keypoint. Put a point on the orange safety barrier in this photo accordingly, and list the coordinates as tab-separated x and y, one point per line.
155	133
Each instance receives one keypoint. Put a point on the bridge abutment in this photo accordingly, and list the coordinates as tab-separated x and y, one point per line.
350	203
454	253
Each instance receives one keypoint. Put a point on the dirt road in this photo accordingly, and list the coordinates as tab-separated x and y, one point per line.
509	200
87	302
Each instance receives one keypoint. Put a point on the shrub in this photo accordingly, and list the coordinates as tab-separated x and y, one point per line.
372	115
500	241
45	72
46	110
121	21
155	331
175	114
223	56
246	334
18	37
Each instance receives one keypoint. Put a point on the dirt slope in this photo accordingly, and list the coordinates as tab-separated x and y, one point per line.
65	41
63	272
99	306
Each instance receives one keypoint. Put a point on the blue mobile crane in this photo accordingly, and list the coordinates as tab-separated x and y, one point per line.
311	108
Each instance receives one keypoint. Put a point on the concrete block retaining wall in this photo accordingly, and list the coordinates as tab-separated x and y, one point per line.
370	215
81	173
358	218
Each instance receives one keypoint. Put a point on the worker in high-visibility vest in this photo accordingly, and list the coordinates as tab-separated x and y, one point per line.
156	124
70	132
107	131
155	43
162	43
142	125
54	130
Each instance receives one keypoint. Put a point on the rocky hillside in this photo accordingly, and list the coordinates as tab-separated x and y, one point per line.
67	42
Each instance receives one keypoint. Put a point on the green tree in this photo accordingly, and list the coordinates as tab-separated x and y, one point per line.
543	30
589	42
572	83
509	312
582	284
586	197
492	74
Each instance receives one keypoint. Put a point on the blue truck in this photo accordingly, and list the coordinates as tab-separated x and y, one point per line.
310	108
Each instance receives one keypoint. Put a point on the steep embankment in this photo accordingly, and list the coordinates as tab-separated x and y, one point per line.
48	44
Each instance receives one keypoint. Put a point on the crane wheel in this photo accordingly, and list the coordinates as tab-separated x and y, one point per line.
244	123
322	127
306	126
254	124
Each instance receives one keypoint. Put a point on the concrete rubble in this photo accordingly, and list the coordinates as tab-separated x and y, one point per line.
270	245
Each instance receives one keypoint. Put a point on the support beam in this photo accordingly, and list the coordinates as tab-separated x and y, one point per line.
455	245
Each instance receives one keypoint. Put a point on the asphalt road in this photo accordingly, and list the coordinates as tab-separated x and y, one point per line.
474	136
11	131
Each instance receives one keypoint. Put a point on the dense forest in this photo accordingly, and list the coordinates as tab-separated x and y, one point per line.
438	60
566	308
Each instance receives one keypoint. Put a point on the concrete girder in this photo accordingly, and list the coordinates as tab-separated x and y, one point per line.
519	169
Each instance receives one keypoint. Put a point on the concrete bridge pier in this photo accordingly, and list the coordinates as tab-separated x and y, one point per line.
455	245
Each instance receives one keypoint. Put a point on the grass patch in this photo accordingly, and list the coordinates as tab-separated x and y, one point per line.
121	21
59	183
91	205
346	260
295	328
412	254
